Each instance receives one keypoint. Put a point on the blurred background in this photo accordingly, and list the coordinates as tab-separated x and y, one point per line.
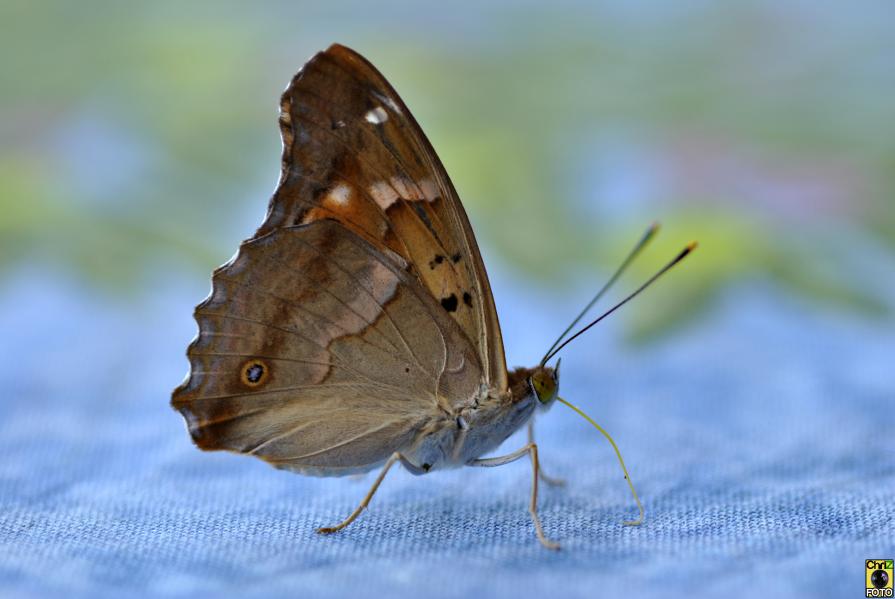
143	140
139	146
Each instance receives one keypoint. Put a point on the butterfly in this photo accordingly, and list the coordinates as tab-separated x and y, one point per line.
356	329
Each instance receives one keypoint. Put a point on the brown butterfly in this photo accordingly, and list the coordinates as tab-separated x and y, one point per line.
357	329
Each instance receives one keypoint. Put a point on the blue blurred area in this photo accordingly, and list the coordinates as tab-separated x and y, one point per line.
759	441
751	391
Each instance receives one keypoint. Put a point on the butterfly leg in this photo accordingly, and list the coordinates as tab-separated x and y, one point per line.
532	450
553	482
366	501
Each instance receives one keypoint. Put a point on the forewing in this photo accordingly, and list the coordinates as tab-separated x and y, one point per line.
353	152
319	353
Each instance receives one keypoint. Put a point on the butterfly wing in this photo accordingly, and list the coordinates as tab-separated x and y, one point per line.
354	153
318	352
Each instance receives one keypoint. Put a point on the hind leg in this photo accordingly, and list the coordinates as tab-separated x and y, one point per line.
366	500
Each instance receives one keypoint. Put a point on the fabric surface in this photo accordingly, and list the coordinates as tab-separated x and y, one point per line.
760	440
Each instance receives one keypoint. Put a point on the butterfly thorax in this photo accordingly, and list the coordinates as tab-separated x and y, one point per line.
480	428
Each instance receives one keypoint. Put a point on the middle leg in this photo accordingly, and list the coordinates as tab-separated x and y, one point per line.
532	450
553	482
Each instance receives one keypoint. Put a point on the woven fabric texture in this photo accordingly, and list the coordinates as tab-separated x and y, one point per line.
760	440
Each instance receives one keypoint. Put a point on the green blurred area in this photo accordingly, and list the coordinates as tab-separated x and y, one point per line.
140	136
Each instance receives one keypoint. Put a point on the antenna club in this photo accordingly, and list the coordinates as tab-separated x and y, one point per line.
557	346
692	246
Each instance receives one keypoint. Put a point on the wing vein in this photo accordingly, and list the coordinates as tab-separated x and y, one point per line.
436	241
329	448
309	312
373	297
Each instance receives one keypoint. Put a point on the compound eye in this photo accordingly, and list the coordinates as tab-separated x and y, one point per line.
535	387
545	389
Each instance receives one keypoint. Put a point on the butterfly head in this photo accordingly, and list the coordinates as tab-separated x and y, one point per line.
545	382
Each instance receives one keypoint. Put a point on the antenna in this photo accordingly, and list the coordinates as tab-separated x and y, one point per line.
683	254
649	234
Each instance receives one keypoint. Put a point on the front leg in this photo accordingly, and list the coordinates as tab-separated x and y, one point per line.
532	450
553	482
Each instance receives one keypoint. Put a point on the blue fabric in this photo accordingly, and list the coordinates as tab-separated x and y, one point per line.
760	440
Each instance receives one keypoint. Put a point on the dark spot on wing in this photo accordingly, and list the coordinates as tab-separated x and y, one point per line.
438	259
456	257
427	467
467	299
254	372
449	303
